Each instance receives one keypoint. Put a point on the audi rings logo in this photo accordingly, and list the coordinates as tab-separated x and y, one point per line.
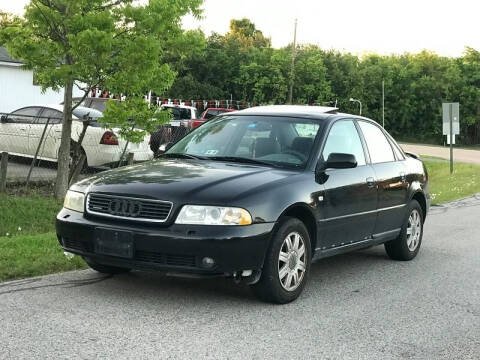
125	207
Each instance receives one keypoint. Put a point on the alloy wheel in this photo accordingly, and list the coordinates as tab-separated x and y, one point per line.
292	261
414	230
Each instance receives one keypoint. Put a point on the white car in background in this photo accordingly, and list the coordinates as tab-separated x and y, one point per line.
21	131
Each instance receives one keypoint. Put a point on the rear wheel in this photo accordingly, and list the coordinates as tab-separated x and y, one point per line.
287	263
407	245
105	269
75	158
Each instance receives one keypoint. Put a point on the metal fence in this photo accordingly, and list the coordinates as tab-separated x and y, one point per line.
30	144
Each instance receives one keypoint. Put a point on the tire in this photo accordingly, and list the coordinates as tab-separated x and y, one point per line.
407	245
277	282
82	152
105	269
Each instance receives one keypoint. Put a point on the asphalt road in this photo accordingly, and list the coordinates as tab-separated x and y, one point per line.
459	155
356	306
18	168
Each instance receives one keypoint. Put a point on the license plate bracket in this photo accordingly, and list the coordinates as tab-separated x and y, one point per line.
113	242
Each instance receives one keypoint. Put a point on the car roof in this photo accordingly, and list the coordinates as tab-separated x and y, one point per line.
57	107
319	112
178	106
223	109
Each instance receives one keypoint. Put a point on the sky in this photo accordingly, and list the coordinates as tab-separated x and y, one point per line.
357	26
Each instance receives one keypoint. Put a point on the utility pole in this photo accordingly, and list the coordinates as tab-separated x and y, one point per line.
451	138
292	69
383	103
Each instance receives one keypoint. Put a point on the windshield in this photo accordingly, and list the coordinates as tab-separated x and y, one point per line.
278	141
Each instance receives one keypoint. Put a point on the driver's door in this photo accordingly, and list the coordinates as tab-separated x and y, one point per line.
350	196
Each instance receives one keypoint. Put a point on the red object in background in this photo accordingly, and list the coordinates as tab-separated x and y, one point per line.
109	138
194	123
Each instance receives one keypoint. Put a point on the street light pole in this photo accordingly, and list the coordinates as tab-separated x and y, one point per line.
383	103
359	102
292	69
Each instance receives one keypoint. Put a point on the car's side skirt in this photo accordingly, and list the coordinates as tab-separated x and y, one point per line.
376	239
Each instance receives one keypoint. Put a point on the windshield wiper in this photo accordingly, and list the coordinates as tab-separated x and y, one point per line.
241	160
184	156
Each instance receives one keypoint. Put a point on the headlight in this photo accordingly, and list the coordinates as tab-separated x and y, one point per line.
213	215
74	201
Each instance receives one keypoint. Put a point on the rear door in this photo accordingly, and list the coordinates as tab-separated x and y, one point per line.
53	133
350	198
391	178
15	131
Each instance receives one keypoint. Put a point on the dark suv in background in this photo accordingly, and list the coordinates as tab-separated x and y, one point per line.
258	195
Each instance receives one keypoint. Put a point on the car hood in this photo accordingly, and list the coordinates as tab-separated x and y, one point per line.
187	181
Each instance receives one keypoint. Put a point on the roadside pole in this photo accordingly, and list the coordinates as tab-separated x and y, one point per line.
451	125
383	104
292	68
451	138
3	172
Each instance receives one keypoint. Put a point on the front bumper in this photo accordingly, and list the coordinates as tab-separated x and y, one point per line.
176	248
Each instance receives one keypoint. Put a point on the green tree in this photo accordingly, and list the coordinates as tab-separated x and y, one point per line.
112	44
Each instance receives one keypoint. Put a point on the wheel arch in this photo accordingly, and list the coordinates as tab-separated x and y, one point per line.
303	212
419	196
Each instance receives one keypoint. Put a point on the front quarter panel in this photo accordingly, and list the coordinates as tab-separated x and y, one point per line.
269	201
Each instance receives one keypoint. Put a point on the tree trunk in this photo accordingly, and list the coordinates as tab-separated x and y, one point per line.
63	169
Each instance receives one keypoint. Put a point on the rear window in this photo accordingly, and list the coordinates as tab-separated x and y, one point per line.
179	113
93	114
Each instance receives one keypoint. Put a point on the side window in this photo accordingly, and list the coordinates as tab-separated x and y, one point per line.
396	149
344	138
24	116
378	145
54	115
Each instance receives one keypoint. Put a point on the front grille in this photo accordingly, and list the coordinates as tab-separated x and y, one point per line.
165	259
124	207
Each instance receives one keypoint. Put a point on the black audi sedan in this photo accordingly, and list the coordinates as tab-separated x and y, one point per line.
257	195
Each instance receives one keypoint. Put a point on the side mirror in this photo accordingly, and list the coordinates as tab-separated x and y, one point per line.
3	119
341	161
334	161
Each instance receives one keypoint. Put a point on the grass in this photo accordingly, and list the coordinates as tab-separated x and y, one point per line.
429	157
33	255
32	214
31	247
445	187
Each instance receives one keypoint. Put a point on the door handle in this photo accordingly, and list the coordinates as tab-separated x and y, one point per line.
370	182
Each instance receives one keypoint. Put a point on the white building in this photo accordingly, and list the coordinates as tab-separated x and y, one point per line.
17	88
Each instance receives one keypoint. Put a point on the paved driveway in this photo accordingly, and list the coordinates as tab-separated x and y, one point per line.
356	306
459	155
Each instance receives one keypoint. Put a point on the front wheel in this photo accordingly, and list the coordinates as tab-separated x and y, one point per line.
287	263
407	245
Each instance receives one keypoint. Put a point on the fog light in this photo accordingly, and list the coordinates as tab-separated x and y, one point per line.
208	262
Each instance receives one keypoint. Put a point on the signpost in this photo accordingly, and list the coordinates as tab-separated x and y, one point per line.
451	125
